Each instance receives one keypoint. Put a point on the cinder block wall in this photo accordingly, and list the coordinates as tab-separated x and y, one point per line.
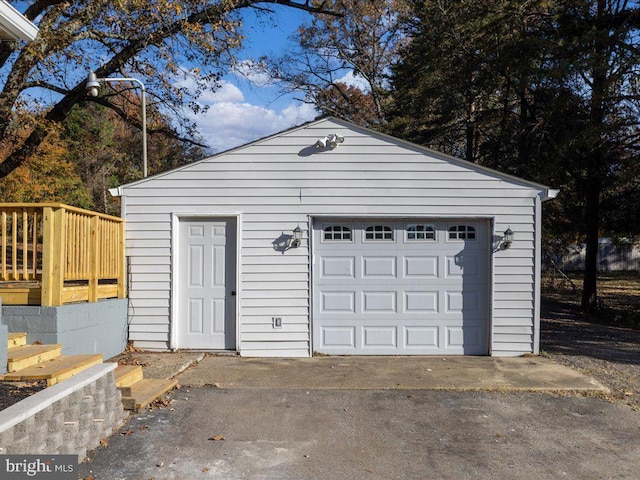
81	328
68	418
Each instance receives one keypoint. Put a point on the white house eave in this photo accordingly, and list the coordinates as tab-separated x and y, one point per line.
14	25
116	192
549	194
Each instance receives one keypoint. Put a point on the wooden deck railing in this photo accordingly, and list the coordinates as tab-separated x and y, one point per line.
52	254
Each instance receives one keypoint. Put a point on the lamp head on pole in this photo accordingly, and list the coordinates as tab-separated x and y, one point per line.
92	84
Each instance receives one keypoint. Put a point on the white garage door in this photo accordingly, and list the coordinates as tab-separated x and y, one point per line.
401	287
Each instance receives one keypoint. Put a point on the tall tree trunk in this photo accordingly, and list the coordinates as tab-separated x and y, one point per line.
592	221
593	181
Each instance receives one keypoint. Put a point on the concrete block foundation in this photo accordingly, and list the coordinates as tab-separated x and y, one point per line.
81	328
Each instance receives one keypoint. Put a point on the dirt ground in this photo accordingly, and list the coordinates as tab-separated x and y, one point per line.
603	346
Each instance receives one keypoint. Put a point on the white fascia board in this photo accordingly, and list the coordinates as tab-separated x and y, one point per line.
14	25
549	194
115	192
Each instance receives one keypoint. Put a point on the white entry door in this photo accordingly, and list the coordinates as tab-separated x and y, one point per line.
206	284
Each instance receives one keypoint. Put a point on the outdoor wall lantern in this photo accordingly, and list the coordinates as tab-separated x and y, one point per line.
297	237
507	238
92	85
332	141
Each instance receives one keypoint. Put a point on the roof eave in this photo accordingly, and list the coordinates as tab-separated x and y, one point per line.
16	25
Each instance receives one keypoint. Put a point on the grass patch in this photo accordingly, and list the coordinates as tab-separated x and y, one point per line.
618	296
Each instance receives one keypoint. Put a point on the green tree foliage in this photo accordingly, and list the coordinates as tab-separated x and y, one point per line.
47	177
107	151
543	89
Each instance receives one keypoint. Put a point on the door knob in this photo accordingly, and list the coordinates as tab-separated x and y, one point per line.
233	293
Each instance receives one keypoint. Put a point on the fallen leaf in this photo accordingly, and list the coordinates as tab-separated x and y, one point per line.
216	438
104	442
127	432
205	469
628	394
143	427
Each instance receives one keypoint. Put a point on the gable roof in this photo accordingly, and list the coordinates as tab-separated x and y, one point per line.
546	193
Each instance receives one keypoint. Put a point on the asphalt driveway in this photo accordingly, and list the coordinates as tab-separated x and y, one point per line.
271	432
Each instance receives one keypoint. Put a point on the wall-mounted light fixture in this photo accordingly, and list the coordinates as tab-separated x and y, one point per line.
297	237
330	141
507	238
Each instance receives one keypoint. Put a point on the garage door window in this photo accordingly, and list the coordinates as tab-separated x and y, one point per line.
420	232
378	232
337	232
462	232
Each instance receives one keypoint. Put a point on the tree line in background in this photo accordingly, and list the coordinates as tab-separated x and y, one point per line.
542	89
547	90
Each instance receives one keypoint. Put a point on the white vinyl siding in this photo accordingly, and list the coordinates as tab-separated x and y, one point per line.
281	182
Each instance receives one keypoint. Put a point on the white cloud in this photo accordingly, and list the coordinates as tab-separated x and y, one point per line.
227	92
355	81
230	120
227	124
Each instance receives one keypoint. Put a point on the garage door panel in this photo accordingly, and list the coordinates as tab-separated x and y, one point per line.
338	302
375	337
459	265
339	337
338	267
467	303
421	302
420	266
467	339
375	267
402	296
416	337
379	302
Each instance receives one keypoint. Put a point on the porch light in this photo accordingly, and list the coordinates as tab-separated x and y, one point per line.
297	237
507	238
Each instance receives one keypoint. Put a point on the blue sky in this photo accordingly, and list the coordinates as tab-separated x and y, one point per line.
243	110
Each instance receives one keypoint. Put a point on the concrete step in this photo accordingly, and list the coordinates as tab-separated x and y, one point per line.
25	356
127	375
56	370
142	393
17	339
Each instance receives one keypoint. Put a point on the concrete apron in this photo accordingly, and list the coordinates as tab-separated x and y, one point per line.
389	373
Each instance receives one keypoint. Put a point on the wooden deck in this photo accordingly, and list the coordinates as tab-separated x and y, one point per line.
52	254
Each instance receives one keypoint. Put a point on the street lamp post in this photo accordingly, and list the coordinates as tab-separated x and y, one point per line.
93	82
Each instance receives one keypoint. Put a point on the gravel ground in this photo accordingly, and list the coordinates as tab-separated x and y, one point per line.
609	354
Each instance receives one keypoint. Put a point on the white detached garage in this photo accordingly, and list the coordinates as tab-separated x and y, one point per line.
335	239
